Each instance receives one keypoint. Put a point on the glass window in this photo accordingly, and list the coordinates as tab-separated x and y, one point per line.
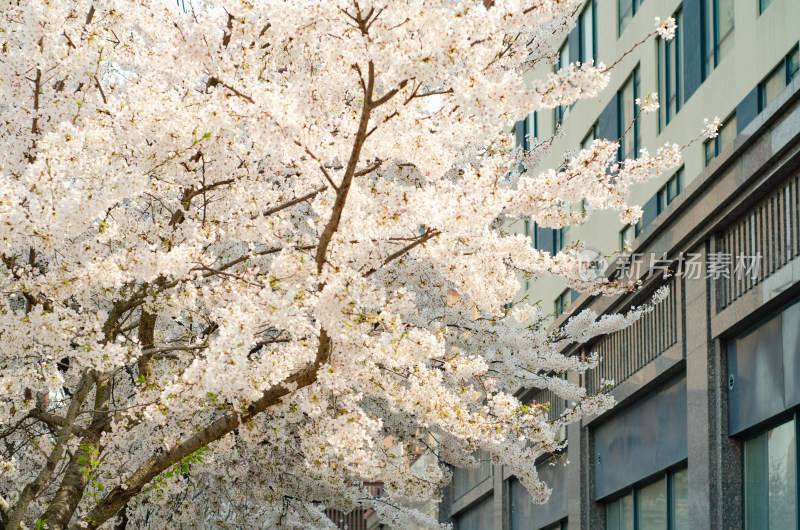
778	79
660	505
726	135
590	137
626	9
670	190
464	479
679	495
559	238
717	31
762	5
562	302
619	513
770	479
652	513
626	236
481	517
588	27
628	124
670	78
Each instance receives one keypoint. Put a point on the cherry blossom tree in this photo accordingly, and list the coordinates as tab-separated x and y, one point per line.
254	256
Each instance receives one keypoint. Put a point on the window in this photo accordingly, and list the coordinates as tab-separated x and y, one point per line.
670	78
628	124
714	146
629	233
717	32
532	233
560	113
562	302
660	505
770	479
590	137
523	514
626	10
778	79
670	190
481	517
762	5
465	479
587	30
559	237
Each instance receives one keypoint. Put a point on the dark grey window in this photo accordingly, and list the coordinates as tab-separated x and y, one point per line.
587	27
778	79
626	9
670	74
670	190
770	479
718	32
628	124
660	505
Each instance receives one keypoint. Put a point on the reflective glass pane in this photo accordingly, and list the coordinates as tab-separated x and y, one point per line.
727	133
680	500
708	40
653	506
613	515
763	4
625	8
626	110
725	36
782	476
755	483
792	64
773	86
708	150
626	512
587	33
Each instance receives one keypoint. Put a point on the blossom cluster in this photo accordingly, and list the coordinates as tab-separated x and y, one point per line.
252	256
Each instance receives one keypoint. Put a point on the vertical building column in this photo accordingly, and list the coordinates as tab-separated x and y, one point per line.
575	471
714	459
700	395
501	516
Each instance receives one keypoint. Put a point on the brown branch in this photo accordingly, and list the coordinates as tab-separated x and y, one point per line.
298	200
429	234
36	485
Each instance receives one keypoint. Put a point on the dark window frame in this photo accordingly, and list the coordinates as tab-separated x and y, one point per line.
663	197
789	69
562	302
635	5
666	51
591	4
712	55
716	142
623	127
769	425
635	489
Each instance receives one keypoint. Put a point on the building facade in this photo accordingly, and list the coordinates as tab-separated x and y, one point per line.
708	385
